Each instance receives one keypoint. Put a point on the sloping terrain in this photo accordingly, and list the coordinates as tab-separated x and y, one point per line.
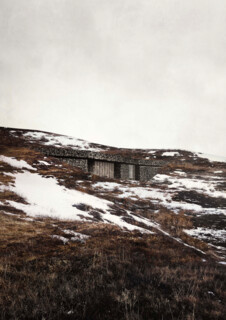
78	246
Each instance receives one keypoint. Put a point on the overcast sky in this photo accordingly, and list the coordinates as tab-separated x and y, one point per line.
128	73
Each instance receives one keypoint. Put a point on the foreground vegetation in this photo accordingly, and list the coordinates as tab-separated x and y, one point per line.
113	275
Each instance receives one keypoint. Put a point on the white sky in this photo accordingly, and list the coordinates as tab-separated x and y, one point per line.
130	73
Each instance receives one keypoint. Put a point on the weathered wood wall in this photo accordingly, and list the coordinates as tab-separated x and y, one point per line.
131	172
113	170
103	169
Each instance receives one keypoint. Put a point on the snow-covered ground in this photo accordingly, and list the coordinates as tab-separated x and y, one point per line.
20	164
170	153
133	192
49	139
76	235
44	163
164	196
45	197
207	234
207	187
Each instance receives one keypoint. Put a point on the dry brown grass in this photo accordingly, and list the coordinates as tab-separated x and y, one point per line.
114	275
174	222
186	166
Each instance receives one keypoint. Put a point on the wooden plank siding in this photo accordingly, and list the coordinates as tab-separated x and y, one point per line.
131	171
103	169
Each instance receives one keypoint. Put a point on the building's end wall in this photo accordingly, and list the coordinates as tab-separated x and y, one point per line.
147	172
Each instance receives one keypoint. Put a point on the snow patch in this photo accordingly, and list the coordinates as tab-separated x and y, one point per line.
8	213
164	196
133	192
206	233
64	240
106	185
20	164
46	198
49	139
207	187
76	235
180	173
44	163
170	154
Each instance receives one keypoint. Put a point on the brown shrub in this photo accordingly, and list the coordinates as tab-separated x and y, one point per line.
174	222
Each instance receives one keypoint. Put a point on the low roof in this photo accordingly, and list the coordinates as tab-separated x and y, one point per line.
83	154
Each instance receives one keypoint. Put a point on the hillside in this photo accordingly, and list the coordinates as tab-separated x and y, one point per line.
78	246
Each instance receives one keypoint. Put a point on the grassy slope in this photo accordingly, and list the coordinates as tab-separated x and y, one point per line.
113	275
